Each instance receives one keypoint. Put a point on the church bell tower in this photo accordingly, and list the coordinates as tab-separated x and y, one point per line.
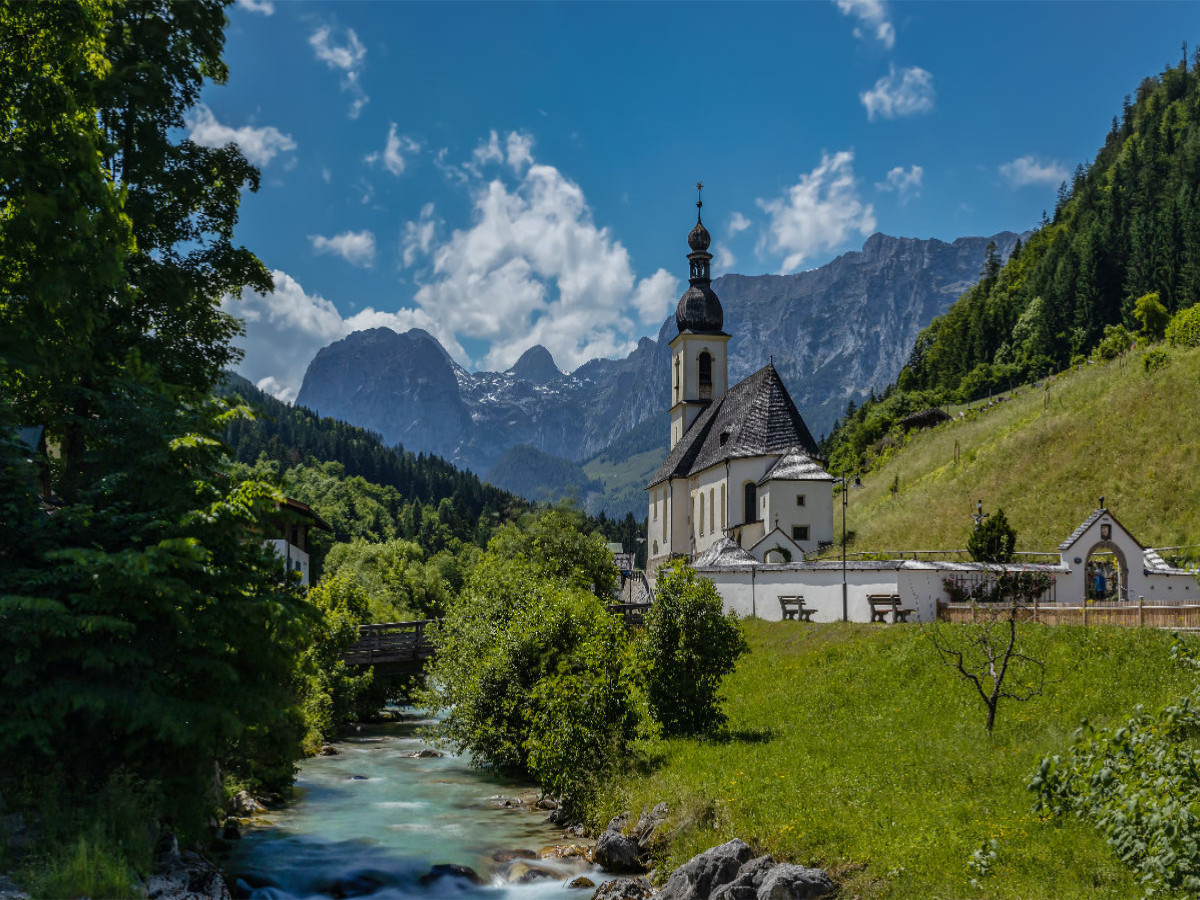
699	359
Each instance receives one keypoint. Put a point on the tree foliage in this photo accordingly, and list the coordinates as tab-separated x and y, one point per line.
688	647
1139	785
533	675
993	540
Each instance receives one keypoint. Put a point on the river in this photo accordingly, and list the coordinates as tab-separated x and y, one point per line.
372	821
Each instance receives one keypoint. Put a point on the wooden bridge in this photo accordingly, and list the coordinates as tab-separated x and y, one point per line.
392	644
403	645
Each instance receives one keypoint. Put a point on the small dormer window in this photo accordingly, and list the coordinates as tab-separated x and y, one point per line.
724	438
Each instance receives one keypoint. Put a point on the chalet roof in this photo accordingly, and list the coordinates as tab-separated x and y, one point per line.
1088	523
303	509
796	465
756	417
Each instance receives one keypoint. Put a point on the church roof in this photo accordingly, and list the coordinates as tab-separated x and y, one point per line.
756	417
796	465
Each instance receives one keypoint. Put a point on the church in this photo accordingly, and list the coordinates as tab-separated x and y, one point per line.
742	464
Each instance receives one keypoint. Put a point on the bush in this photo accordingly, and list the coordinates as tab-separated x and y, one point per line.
1154	360
993	541
687	647
533	674
1184	328
1116	341
1151	315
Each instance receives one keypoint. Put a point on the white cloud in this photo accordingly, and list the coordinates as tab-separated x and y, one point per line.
520	150
286	327
417	239
265	7
394	152
260	145
906	95
1028	170
873	18
355	247
819	212
654	297
738	223
345	54
905	182
533	268
723	260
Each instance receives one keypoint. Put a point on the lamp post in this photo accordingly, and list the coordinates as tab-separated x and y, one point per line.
845	589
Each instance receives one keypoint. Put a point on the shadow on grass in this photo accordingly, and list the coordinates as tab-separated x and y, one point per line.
742	736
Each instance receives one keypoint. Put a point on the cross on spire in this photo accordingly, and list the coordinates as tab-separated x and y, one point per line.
699	201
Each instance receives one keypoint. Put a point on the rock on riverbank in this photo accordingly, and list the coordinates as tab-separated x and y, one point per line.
728	872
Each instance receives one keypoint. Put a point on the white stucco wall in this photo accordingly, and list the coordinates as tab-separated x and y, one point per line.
816	513
756	594
293	557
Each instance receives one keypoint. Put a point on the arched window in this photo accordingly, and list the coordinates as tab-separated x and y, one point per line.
705	364
655	551
750	501
677	379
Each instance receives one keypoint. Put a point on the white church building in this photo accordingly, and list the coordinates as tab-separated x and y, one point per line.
743	496
742	463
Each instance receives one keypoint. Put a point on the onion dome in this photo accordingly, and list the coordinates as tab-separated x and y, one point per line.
699	308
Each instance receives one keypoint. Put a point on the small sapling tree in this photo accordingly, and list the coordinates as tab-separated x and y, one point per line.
993	540
688	646
988	653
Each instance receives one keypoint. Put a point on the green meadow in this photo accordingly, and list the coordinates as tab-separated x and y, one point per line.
855	748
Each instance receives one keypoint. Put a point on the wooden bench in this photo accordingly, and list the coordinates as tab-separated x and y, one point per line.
793	608
882	604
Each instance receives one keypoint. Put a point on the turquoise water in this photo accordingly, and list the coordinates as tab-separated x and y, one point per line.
371	821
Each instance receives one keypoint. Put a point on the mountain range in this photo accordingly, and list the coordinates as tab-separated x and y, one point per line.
835	333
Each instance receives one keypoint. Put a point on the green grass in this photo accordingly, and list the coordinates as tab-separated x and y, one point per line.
854	748
1108	430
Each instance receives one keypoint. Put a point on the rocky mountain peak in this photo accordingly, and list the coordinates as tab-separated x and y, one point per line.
536	366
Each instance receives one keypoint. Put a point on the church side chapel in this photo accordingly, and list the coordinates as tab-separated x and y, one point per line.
742	464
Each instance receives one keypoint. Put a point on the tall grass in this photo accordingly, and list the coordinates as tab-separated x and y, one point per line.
1046	457
853	747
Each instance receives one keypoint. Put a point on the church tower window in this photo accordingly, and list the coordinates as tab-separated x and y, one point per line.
704	363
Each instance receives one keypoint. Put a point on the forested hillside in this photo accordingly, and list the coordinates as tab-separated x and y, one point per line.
1124	238
291	434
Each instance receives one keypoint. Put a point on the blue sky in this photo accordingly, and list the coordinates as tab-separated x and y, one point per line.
510	174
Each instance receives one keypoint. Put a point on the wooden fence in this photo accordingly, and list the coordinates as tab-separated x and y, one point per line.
1129	614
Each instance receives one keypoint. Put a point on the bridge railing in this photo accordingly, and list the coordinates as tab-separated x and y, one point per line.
391	642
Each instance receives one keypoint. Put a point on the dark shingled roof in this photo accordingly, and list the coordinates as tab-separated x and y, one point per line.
756	415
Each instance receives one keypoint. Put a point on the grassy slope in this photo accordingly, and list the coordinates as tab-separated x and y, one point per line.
1108	430
854	748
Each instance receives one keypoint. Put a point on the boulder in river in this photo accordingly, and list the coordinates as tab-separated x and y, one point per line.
581	881
701	875
427	753
449	870
509	855
617	852
329	750
624	889
631	852
522	872
244	804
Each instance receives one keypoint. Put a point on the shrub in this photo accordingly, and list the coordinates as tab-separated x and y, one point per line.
533	677
687	647
1151	315
1154	360
1184	328
1116	341
993	541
